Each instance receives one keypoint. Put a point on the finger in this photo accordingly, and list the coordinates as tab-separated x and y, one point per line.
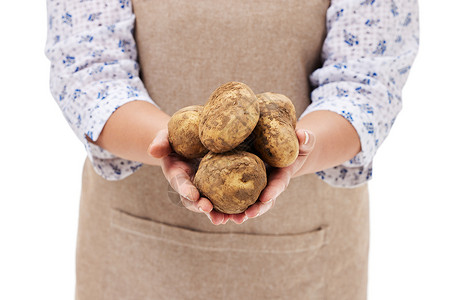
215	217
182	184
160	146
203	205
306	140
173	162
259	208
253	210
277	182
239	218
178	174
226	218
190	205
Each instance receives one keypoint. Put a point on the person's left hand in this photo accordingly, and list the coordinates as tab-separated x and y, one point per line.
278	179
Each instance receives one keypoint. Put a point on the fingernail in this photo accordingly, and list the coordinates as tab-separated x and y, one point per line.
209	217
267	202
265	207
245	219
201	209
188	198
306	137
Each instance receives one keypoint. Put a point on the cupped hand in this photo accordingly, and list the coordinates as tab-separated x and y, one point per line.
278	179
180	172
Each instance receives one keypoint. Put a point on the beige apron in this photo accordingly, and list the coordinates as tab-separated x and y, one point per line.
136	242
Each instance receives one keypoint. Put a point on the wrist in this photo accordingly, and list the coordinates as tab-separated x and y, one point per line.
131	129
336	141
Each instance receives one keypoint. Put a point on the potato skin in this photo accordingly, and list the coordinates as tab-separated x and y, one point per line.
275	137
229	117
232	181
183	132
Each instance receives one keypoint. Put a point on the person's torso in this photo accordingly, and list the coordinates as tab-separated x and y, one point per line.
189	48
144	244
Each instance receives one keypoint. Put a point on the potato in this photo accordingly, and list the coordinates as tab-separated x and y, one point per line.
183	132
232	181
275	137
229	117
247	145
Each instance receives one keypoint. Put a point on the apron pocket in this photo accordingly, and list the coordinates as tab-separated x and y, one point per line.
153	260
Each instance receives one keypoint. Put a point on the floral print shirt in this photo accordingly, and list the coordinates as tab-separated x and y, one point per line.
367	54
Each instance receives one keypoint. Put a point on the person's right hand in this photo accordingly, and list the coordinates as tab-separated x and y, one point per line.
179	172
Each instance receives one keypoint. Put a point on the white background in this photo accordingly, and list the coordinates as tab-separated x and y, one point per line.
41	162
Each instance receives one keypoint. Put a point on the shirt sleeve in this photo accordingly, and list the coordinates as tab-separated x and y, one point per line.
368	52
94	71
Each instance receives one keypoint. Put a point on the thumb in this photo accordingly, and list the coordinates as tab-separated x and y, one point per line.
306	140
160	147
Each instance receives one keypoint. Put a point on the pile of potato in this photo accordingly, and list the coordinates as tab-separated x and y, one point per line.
235	132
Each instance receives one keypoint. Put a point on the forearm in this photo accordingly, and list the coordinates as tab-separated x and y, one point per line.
130	130
336	141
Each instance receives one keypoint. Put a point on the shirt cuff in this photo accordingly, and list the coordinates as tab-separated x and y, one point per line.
105	163
357	170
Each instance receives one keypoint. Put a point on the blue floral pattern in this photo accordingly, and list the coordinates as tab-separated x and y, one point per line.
94	71
368	52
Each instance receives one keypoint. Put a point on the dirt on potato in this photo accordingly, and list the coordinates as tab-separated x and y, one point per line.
229	117
232	181
183	132
275	137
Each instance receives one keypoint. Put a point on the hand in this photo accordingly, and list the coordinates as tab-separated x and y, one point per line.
179	172
278	179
